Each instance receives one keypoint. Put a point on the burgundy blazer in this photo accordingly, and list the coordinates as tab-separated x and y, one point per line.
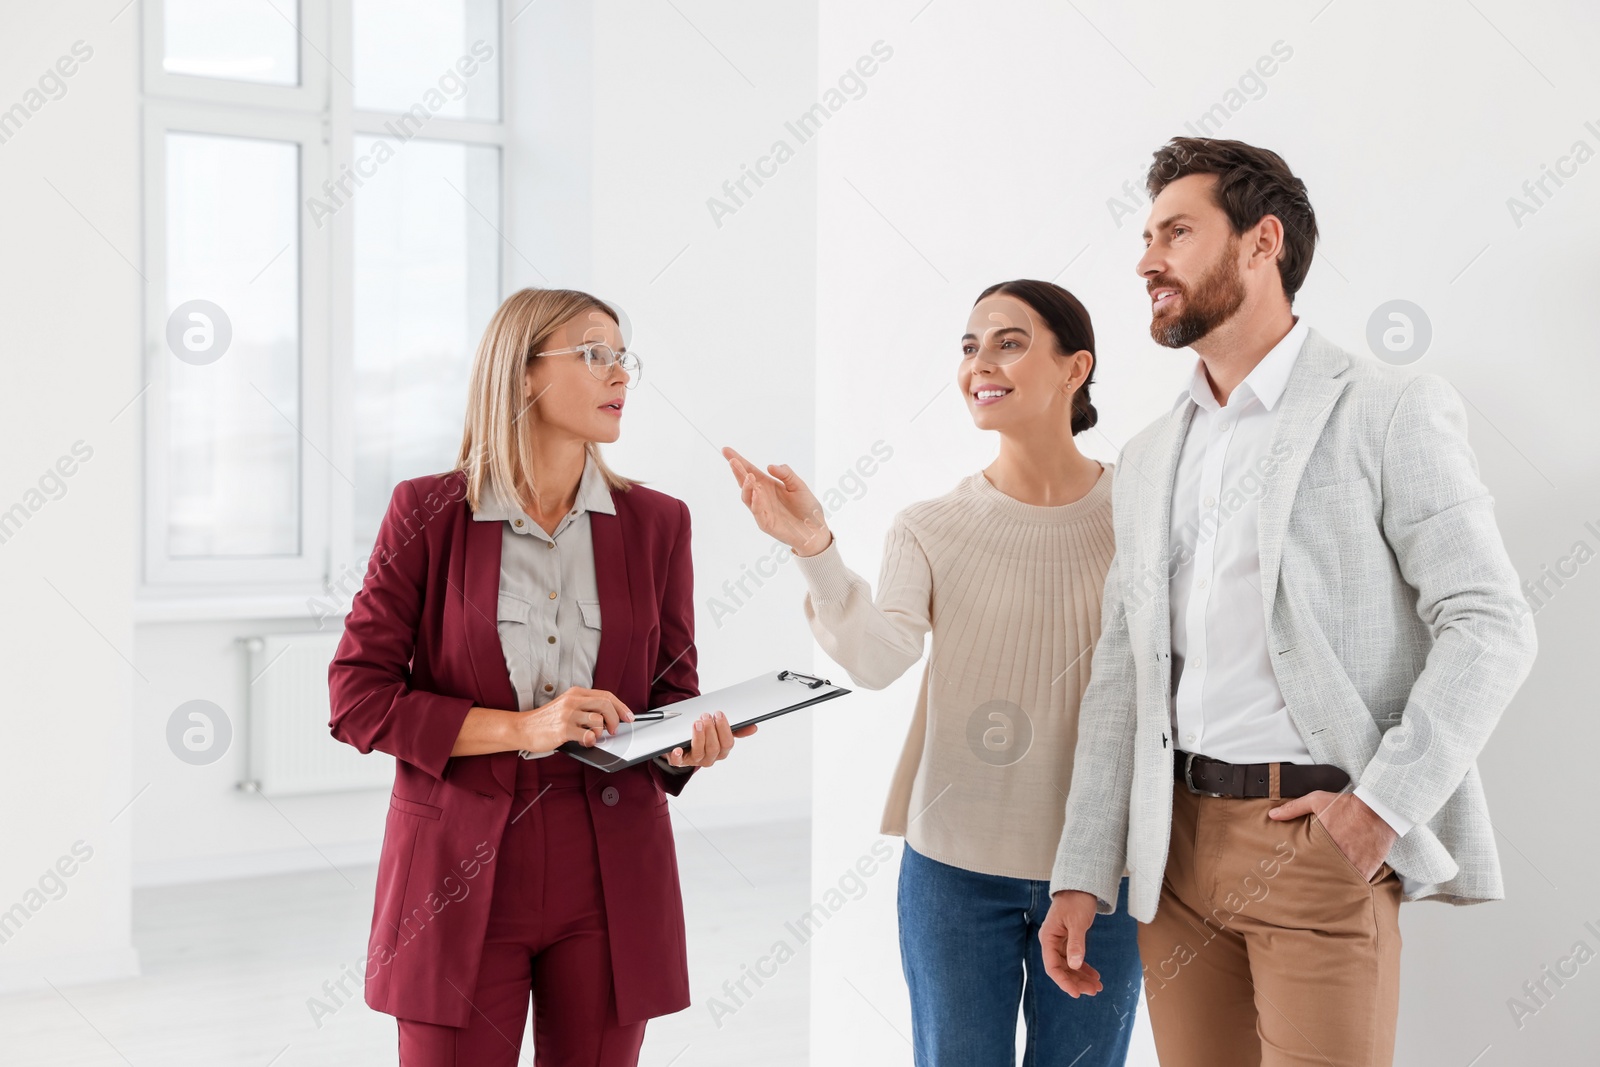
420	648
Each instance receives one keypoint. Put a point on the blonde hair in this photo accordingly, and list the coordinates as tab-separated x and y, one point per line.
496	454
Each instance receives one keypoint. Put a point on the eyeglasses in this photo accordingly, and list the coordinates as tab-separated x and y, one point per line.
600	358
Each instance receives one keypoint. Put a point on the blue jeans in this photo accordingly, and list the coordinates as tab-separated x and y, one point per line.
969	944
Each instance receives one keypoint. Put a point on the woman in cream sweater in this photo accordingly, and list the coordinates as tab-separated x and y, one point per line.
1006	570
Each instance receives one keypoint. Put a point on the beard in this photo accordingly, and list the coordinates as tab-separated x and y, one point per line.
1208	305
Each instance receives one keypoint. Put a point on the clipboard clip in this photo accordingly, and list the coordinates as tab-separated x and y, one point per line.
804	679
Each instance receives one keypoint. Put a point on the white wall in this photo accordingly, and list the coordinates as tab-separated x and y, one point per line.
69	298
194	823
723	317
988	148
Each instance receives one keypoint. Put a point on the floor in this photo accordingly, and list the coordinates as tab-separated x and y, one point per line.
231	968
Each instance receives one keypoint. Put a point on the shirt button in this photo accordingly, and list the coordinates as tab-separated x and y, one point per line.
517	523
1198	662
1188	737
609	796
549	544
552	596
1202	583
549	688
551	639
1224	425
1211	501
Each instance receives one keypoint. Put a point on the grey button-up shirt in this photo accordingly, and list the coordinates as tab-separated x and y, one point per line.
549	611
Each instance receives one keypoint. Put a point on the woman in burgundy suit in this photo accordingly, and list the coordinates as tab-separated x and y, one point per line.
528	598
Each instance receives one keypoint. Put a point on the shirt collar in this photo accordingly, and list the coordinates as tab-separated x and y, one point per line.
1266	382
593	495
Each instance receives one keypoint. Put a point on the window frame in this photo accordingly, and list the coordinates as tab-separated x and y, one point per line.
319	116
306	567
312	18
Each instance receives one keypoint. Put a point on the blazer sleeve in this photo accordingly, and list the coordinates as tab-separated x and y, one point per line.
1439	521
675	675
1092	853
369	681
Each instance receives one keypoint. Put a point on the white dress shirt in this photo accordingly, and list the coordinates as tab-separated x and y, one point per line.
1226	702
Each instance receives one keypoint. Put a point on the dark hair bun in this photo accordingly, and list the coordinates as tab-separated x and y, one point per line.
1084	415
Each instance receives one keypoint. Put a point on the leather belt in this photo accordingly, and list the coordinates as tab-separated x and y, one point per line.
1218	778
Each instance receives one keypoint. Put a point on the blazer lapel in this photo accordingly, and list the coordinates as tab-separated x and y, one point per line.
616	604
1155	475
480	617
1314	387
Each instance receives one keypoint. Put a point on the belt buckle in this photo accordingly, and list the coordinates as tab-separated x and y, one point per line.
1188	777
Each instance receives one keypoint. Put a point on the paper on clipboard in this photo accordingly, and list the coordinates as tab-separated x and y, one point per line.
763	697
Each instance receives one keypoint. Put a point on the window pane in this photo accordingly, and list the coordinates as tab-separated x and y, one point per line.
244	40
427	280
233	241
442	58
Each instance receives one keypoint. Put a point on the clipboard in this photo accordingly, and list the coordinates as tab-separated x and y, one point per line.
757	699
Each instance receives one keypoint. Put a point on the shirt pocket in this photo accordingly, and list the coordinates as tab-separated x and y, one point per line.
512	608
590	610
512	620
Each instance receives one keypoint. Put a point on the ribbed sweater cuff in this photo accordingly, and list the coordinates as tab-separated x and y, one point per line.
826	575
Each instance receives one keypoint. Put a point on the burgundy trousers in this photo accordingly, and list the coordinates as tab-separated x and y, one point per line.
547	937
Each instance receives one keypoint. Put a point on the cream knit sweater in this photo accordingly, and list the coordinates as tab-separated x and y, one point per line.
1012	594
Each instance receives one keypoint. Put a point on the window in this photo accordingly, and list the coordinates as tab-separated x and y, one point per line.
426	284
232	456
322	253
240	40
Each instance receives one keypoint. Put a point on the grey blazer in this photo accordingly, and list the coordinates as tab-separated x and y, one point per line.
1397	629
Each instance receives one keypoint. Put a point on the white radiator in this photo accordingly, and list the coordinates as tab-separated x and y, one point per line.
291	750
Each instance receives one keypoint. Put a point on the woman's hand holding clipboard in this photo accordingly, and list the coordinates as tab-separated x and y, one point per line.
704	727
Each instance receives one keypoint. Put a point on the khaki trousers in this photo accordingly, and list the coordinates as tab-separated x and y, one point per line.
1268	946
